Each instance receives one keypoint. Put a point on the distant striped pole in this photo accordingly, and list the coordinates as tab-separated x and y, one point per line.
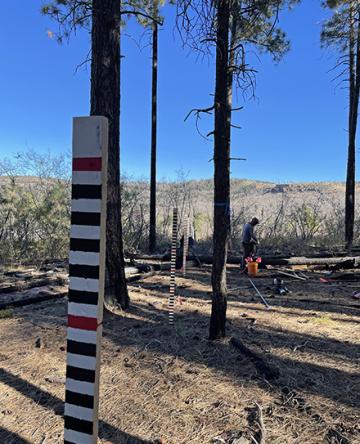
173	267
185	244
86	284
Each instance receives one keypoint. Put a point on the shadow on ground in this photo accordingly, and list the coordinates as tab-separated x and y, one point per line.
145	327
8	437
51	402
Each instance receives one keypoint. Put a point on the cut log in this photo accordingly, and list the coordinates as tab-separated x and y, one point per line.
148	257
339	261
22	285
344	262
42	296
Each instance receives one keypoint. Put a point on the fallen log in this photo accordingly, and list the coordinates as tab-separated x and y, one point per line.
346	277
22	285
341	261
148	257
344	262
270	373
133	273
41	297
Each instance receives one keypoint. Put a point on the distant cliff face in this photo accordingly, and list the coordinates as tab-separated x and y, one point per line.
330	187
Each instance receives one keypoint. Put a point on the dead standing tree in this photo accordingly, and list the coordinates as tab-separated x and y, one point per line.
231	26
152	231
152	20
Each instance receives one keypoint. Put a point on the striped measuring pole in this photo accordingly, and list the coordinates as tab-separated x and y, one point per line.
86	279
185	244
173	266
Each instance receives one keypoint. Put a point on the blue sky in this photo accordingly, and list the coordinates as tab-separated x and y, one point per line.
295	129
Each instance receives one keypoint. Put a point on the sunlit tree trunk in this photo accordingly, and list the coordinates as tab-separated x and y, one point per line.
105	101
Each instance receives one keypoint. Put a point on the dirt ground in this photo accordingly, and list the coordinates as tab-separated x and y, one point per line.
172	386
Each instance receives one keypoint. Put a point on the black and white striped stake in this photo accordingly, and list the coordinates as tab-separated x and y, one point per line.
173	267
185	244
86	284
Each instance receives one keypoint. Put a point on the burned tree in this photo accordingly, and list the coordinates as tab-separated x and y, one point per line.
342	31
230	26
221	174
152	233
152	20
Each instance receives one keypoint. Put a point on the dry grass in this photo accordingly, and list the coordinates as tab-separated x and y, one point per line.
174	386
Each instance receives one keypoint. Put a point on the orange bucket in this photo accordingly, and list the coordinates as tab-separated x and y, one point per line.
252	268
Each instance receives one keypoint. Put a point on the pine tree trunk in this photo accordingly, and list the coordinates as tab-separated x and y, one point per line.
152	233
233	41
350	170
221	176
105	101
350	191
354	86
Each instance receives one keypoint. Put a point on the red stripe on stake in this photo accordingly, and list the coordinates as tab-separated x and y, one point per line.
87	164
82	322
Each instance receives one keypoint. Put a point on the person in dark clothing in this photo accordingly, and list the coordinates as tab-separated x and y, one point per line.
249	240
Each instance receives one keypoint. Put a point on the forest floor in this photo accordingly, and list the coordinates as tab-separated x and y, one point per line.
170	385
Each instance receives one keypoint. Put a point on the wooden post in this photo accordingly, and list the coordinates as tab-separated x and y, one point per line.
173	267
185	244
86	279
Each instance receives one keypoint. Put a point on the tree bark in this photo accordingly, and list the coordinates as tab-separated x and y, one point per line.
221	175
231	75
230	81
152	233
354	86
105	101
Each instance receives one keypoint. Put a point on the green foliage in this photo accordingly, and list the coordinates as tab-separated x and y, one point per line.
34	221
254	24
69	14
73	14
199	221
6	314
336	30
306	221
34	208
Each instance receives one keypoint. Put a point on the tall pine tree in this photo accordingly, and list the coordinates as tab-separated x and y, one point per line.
342	31
232	26
103	18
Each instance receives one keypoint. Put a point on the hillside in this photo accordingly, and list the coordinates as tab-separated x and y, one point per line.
291	215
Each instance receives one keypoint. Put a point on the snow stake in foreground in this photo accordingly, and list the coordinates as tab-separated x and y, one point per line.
173	267
87	274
